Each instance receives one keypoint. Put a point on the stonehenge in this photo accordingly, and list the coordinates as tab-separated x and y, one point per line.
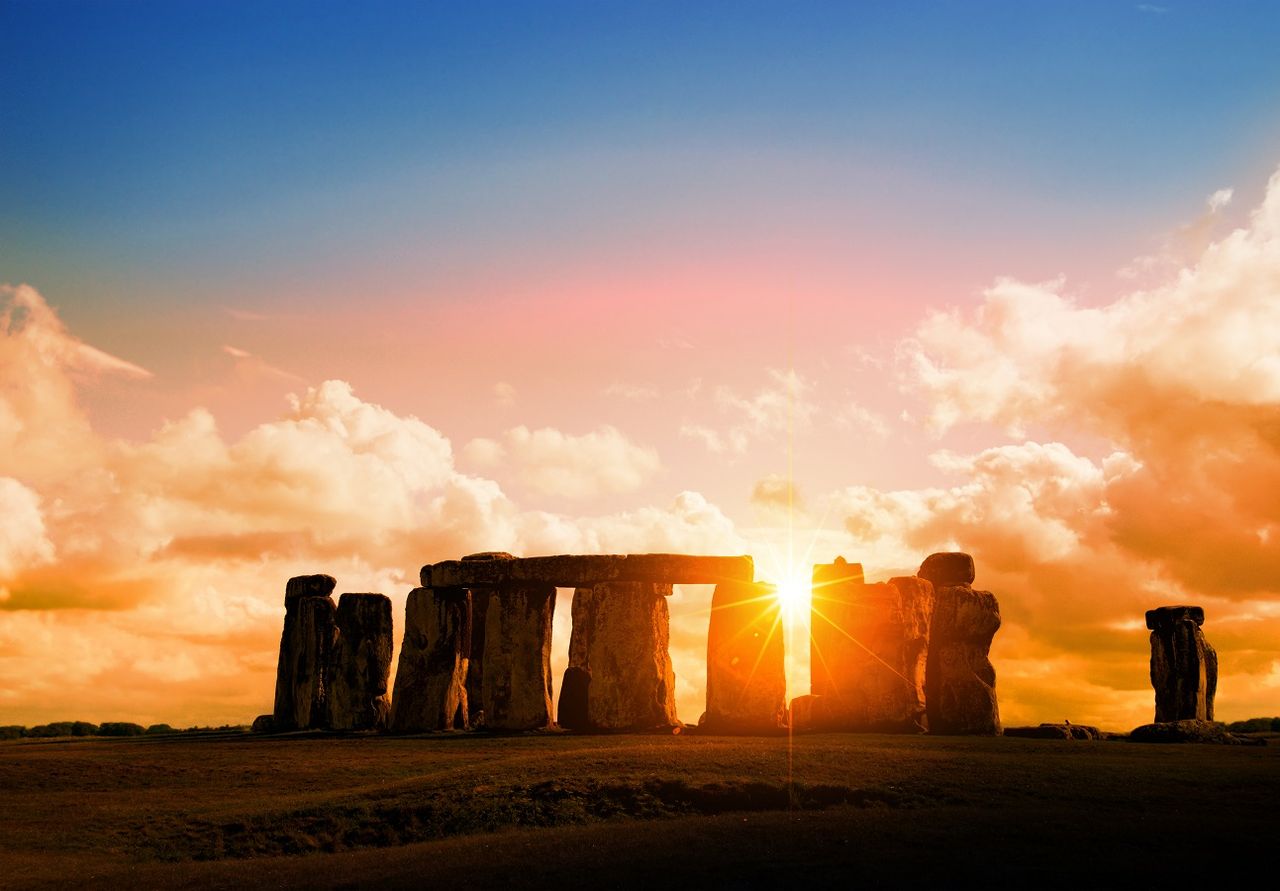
358	698
906	655
1184	667
431	676
619	675
306	648
746	674
960	681
334	661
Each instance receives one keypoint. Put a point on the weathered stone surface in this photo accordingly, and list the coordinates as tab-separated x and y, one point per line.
810	713
571	713
361	664
746	673
1188	731
948	568
1055	731
836	588
878	674
624	652
306	652
480	598
431	677
960	681
309	586
571	571
264	724
516	687
1184	667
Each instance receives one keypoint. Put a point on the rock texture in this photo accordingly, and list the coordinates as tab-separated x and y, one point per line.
837	587
431	678
879	672
475	666
746	675
576	571
309	586
571	713
1189	731
948	568
1184	668
357	698
264	724
306	653
516	687
960	680
1055	731
620	661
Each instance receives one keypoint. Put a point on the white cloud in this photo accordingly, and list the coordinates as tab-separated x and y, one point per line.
777	409
555	463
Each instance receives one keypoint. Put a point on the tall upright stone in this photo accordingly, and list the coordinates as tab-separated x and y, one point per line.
880	671
306	648
960	681
1184	667
571	712
837	590
620	675
516	686
480	598
431	677
746	670
360	665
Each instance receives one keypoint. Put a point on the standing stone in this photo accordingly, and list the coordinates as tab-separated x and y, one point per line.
960	680
306	648
746	671
431	678
837	587
574	689
880	680
1184	667
480	598
361	663
516	686
630	684
948	568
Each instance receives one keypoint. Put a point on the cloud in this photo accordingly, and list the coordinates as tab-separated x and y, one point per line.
251	369
776	410
555	463
23	542
777	494
1175	391
152	571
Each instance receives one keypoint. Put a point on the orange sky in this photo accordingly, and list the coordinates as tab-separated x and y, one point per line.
1098	459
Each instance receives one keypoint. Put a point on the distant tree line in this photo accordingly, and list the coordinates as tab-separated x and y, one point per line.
1255	725
106	728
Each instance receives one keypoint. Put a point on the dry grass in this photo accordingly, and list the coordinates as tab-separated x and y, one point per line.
230	809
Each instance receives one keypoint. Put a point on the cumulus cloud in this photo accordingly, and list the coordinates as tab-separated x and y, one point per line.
1180	383
153	570
776	493
780	407
555	463
23	542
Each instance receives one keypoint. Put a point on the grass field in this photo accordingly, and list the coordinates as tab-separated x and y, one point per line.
235	810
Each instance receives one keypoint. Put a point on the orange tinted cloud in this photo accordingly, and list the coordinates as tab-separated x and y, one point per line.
1182	384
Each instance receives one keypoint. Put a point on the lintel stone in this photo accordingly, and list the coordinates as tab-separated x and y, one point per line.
573	571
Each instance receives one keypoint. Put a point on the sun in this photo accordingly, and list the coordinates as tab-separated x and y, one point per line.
793	595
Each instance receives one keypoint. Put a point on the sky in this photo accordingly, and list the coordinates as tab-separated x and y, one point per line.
292	288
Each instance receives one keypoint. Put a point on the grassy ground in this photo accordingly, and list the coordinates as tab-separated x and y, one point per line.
627	811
